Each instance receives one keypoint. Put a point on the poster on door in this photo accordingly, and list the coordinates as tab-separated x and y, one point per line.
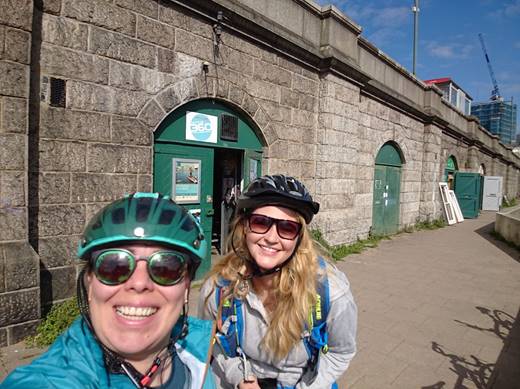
201	127
186	181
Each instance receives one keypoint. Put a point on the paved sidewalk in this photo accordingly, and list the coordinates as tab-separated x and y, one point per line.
437	310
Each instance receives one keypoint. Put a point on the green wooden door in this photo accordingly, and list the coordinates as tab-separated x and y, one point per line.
186	174
467	190
393	191
378	209
387	189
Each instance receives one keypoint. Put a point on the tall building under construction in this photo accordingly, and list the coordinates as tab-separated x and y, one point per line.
498	117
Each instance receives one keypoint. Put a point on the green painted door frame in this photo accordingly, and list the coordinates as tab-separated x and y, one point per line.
178	151
386	191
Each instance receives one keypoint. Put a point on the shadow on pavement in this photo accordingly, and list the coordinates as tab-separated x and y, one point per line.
507	372
472	369
486	231
502	322
476	373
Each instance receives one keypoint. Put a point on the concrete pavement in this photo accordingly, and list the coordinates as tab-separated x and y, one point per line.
437	310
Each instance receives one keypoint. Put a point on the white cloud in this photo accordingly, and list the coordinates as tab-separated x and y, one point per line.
391	16
383	36
510	9
373	13
449	50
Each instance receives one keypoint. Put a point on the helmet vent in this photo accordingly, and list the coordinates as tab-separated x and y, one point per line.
118	216
167	216
188	224
143	209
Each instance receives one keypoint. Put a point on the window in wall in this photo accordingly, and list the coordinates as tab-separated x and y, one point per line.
453	95
467	106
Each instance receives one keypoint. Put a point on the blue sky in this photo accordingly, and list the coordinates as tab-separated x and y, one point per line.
448	39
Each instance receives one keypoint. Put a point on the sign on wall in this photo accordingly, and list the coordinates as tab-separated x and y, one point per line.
186	180
201	127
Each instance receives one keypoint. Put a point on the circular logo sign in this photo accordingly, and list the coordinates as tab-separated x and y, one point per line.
200	127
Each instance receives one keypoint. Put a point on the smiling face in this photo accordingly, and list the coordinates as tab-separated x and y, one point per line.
135	318
269	249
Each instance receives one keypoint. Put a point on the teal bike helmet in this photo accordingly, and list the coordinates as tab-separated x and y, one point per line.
145	217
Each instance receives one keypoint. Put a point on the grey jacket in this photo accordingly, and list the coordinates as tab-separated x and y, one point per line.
341	328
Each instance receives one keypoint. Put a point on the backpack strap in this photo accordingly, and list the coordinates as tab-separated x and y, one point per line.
318	336
229	319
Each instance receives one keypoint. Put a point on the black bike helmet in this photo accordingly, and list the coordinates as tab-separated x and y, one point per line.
280	190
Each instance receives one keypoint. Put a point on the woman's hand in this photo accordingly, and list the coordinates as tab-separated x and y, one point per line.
250	384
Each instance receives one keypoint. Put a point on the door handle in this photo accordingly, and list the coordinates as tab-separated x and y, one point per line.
210	212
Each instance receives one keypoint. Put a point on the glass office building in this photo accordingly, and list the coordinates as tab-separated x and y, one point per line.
498	117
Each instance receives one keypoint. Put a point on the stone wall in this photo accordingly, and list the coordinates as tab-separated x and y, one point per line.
19	281
323	107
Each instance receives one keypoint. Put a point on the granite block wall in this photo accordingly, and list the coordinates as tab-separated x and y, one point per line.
322	109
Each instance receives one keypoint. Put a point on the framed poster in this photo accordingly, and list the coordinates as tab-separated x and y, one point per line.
186	180
201	127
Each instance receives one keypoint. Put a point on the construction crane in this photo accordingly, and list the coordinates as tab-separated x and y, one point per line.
495	93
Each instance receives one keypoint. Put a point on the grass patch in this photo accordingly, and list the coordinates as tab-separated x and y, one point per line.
339	252
499	237
59	318
509	203
429	225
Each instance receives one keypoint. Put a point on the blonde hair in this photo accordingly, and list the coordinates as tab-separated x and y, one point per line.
295	286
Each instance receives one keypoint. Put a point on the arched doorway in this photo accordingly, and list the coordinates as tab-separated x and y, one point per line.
387	190
205	152
449	171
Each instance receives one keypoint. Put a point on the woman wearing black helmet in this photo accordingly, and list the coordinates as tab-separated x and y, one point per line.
285	317
140	254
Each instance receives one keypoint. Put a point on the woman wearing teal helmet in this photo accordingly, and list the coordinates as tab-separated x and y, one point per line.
140	254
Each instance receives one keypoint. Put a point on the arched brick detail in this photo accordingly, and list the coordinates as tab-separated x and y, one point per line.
200	87
400	146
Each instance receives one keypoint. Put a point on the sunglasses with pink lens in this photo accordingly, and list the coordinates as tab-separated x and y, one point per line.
286	229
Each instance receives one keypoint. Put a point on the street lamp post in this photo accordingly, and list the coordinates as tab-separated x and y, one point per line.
415	10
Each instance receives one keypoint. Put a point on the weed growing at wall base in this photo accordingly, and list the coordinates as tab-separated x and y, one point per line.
428	225
339	252
59	318
509	203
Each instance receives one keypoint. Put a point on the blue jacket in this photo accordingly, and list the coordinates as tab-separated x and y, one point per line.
75	360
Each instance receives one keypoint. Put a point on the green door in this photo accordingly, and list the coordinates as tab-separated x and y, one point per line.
467	190
186	174
387	189
378	211
393	191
